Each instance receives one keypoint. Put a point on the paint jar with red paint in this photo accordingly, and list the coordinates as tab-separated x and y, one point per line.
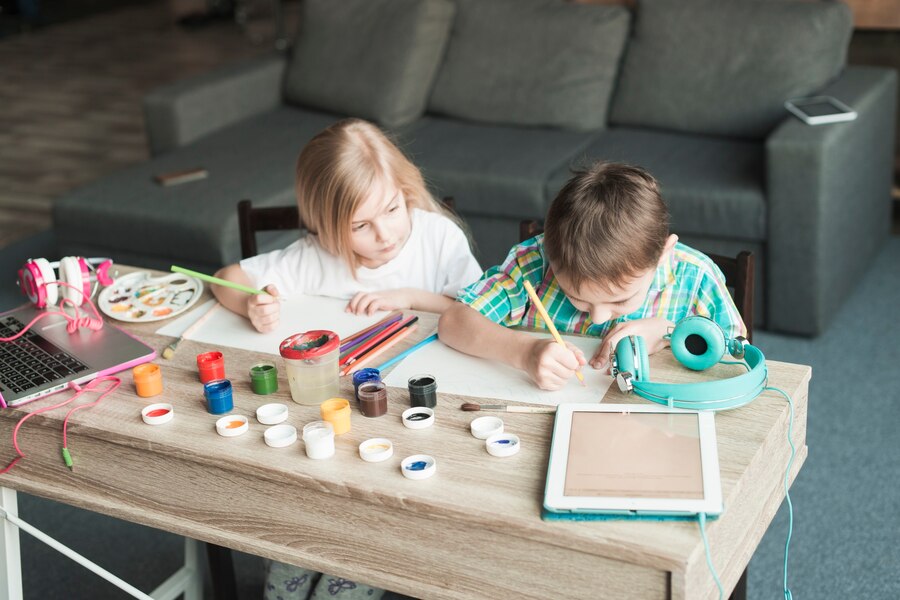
147	380
311	364
210	366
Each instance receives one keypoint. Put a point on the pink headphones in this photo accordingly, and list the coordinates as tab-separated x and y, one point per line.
79	277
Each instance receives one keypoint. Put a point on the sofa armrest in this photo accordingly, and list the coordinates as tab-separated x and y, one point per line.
179	113
829	202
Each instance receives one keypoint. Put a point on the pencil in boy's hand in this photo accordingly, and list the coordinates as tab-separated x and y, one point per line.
543	312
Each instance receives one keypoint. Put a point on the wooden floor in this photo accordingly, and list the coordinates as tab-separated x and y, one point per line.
70	99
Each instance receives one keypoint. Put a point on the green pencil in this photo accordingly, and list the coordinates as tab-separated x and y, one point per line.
217	281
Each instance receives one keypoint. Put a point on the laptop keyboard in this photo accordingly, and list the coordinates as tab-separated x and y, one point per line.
31	360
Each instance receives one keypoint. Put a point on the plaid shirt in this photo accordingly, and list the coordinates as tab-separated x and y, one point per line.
689	283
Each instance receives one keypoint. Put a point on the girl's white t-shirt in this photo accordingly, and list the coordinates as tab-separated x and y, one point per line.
436	258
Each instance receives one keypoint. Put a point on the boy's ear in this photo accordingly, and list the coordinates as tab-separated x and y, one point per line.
667	249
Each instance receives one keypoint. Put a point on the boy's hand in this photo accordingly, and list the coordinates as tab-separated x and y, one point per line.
264	310
551	365
367	303
652	330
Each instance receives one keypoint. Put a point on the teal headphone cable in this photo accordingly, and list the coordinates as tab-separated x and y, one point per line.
709	562
787	495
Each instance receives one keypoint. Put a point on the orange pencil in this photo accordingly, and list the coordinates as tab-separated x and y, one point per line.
543	312
376	339
359	364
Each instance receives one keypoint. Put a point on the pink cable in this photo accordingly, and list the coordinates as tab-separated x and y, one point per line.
78	392
73	322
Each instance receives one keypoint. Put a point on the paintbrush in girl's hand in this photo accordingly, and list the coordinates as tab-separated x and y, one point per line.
470	406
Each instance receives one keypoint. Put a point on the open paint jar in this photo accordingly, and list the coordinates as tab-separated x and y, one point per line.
311	363
264	378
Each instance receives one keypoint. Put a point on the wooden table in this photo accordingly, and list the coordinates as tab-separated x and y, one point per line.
472	531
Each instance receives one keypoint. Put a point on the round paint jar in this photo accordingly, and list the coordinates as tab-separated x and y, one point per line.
264	378
372	399
211	366
319	439
311	363
218	396
147	380
364	376
422	391
337	412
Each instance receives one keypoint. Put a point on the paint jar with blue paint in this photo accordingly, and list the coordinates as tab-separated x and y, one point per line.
365	376
219	398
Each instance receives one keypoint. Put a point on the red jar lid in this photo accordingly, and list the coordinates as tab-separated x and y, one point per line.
310	344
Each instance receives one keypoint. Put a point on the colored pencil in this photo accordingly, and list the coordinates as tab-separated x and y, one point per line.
360	336
407	352
377	339
362	362
217	281
169	352
543	312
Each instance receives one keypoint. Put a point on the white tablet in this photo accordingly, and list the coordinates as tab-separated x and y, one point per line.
633	460
819	110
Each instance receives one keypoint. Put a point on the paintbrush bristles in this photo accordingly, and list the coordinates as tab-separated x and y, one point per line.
470	406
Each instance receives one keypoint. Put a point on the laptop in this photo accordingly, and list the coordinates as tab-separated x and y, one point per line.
632	461
46	359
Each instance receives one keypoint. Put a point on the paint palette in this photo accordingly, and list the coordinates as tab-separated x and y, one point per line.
141	298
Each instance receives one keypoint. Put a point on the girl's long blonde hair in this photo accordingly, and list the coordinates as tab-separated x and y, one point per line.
337	169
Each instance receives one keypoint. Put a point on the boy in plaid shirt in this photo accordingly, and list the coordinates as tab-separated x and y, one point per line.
606	266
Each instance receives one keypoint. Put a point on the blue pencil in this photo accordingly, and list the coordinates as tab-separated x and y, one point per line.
407	352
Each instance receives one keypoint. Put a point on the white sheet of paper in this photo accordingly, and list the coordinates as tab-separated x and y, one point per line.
298	314
458	373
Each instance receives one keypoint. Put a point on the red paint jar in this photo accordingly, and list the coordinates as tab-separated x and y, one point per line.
211	366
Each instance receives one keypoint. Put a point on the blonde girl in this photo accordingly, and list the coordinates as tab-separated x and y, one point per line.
377	237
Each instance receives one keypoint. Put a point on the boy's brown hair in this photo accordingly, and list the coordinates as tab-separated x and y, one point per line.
608	223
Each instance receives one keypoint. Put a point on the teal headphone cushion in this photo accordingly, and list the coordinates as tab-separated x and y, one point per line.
698	343
629	348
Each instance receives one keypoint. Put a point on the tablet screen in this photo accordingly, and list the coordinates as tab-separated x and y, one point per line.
818	108
634	455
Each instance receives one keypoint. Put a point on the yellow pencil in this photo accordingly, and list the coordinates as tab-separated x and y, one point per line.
540	308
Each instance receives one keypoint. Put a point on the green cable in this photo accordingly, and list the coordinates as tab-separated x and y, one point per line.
68	458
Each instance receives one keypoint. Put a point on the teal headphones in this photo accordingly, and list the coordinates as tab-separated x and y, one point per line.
697	343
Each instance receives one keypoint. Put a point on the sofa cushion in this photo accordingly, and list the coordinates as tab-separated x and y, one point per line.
490	170
535	62
726	68
714	187
373	59
130	217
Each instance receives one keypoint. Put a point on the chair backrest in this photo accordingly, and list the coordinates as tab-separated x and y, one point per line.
277	218
738	271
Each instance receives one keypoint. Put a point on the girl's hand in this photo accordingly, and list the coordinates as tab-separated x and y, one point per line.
367	303
652	330
550	365
264	310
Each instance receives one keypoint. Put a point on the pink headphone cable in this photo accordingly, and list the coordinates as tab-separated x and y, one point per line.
73	322
90	387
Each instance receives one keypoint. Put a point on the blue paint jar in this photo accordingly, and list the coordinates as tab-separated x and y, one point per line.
218	396
364	376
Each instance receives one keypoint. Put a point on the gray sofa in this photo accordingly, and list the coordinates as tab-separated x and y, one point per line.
496	100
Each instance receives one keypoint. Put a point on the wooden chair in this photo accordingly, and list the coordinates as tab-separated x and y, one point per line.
277	218
738	271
